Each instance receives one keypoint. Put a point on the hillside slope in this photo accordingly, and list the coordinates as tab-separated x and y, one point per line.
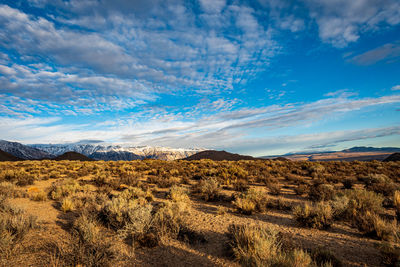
4	156
73	156
218	156
393	157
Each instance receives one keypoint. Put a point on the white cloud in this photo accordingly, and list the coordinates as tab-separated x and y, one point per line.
139	47
387	53
225	128
396	88
342	22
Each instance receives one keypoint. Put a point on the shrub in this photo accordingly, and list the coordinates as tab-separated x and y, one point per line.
274	189
390	254
86	228
100	180
86	248
396	203
299	258
209	189
241	185
138	222
323	257
373	225
374	178
255	246
301	189
67	205
178	194
385	188
348	183
8	189
65	188
339	206
222	210
132	193
319	216
14	225
19	177
321	192
164	182
279	204
170	218
258	246
360	203
251	201
39	196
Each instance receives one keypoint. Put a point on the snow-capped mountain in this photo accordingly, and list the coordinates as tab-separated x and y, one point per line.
22	151
118	152
59	149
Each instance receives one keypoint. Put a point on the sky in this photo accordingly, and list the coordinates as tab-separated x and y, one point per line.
260	77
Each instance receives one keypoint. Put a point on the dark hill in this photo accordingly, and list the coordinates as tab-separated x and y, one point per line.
218	155
4	156
73	156
281	159
393	157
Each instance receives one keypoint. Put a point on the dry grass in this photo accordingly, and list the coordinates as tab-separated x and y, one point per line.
319	216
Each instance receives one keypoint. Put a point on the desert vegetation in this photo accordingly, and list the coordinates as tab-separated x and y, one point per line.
202	212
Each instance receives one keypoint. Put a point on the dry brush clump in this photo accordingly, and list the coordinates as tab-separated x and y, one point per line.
255	246
254	200
319	191
208	189
14	225
86	246
319	215
396	203
18	176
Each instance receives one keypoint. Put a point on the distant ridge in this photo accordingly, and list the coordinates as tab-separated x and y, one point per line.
218	156
371	149
281	159
360	153
393	157
73	156
22	151
4	156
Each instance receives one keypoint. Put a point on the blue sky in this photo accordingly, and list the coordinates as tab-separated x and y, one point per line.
254	77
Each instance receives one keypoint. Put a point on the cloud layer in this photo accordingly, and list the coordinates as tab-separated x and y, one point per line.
182	73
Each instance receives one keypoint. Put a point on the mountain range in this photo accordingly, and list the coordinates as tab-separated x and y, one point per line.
95	151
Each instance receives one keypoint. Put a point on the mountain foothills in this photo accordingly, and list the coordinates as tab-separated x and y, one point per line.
95	151
22	151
